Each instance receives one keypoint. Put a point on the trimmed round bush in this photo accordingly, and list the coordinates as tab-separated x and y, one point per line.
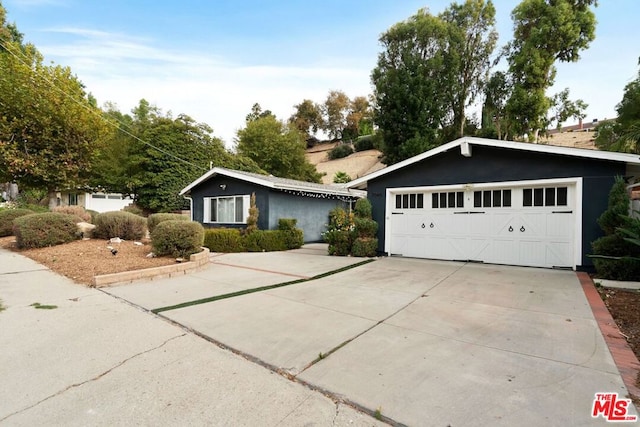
364	143
177	238
340	151
365	247
264	241
154	219
287	224
339	242
366	227
7	217
77	211
362	208
45	229
120	224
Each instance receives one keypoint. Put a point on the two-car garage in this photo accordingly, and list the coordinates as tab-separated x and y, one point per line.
493	201
533	224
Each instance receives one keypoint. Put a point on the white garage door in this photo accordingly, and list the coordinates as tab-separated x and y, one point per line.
532	225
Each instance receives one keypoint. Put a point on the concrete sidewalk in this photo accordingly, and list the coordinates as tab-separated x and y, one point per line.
95	360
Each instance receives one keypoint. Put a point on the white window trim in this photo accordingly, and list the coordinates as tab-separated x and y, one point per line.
246	200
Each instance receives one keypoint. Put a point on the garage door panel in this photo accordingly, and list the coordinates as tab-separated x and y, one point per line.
484	230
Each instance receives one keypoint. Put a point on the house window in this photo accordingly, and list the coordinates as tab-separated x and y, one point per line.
451	199
114	196
98	196
410	201
548	196
73	199
227	210
492	199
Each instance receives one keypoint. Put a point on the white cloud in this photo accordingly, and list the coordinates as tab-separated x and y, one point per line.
123	70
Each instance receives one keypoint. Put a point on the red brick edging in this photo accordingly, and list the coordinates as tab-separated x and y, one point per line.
623	356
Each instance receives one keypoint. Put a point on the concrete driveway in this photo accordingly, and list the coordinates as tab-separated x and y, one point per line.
418	342
422	342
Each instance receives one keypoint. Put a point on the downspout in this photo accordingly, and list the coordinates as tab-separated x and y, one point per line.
190	206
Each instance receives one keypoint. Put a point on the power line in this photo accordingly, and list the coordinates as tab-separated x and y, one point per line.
119	125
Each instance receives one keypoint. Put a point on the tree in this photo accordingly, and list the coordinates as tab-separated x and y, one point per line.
307	118
359	120
472	40
431	69
563	108
336	108
277	148
623	134
545	31
48	126
257	113
9	33
495	122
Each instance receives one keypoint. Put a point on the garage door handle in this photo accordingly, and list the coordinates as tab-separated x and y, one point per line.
397	213
476	212
567	212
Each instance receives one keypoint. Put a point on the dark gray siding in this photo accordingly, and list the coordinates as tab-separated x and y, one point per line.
312	214
489	164
234	187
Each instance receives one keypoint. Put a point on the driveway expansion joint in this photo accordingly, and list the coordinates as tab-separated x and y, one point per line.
97	377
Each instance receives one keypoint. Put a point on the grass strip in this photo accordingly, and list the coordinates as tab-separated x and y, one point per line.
260	289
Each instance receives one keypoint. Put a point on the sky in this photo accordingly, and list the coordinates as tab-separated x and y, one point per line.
213	59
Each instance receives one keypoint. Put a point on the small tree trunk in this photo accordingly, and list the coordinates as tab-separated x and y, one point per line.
53	199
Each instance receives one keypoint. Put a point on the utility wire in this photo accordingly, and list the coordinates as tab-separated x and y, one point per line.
119	125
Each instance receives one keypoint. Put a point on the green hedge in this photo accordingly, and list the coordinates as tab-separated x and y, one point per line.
223	240
264	241
154	219
45	229
365	227
232	240
177	238
121	224
7	217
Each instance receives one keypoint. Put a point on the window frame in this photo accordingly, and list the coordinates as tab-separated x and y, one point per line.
208	204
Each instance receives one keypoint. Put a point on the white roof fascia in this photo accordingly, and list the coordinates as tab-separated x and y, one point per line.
523	146
266	183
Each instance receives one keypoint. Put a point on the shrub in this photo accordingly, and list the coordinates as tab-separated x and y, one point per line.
339	242
120	224
364	143
340	151
265	240
362	208
224	240
154	219
93	214
6	219
293	239
365	247
287	224
177	238
254	212
134	209
341	178
365	227
44	229
77	211
613	243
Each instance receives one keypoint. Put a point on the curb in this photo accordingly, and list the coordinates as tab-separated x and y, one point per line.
624	358
196	262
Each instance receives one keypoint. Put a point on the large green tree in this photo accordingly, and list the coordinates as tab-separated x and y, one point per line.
430	70
49	128
307	118
545	31
154	156
277	148
623	134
